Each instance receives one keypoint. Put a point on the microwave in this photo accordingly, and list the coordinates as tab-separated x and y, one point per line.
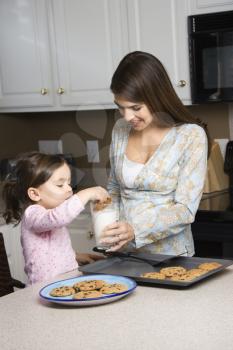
211	57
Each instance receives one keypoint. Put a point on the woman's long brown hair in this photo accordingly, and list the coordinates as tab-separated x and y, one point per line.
141	77
32	170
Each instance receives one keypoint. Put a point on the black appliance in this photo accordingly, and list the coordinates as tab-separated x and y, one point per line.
213	228
211	57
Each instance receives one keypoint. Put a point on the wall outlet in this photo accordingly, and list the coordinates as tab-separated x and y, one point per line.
93	155
51	146
222	144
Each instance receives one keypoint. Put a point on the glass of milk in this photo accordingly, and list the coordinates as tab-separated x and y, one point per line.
100	219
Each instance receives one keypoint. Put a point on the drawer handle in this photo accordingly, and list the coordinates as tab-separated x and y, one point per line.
60	91
44	91
182	83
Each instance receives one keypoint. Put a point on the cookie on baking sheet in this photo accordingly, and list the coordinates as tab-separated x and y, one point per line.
209	266
62	291
114	288
154	275
89	285
196	272
87	294
173	270
186	277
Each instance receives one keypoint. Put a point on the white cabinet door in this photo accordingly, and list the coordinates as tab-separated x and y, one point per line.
59	54
13	246
160	27
91	38
208	6
81	233
25	66
82	240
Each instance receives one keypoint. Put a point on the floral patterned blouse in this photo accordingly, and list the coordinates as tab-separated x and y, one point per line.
165	197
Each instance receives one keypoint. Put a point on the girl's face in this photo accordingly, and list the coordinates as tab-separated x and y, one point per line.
136	114
57	189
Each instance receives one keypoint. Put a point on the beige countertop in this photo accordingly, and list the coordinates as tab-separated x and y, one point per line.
199	317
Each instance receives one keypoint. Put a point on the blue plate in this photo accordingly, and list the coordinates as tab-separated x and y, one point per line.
131	284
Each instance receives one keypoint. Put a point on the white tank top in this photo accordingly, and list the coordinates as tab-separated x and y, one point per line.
130	171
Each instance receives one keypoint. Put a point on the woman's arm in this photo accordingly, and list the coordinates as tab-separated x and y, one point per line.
157	222
113	186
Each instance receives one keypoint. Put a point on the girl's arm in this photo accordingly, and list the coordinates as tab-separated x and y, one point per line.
40	219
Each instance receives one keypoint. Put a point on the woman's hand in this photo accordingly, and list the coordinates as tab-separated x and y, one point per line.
84	259
117	235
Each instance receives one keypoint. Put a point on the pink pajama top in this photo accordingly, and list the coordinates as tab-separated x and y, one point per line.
45	240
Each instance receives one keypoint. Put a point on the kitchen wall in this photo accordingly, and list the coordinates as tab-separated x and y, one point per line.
21	132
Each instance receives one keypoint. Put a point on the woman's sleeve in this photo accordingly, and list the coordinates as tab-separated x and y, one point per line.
39	219
171	219
113	186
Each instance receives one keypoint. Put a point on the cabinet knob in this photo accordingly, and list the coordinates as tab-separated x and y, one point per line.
182	83
60	91
43	91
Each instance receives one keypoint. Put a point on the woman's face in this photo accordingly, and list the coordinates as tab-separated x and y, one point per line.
136	114
57	189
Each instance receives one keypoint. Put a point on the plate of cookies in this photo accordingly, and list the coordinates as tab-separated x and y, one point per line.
88	290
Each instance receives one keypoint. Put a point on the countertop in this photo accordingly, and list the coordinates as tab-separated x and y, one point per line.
199	317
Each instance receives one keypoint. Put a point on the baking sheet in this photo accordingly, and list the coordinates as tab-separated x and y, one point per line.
132	268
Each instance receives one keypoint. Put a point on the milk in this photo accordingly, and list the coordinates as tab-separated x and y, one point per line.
100	219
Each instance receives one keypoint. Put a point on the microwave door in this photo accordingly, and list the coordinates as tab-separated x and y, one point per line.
211	68
206	77
216	53
226	63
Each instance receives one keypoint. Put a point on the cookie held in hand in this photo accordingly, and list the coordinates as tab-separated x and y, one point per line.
101	205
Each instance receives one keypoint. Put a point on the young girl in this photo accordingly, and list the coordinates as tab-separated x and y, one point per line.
42	199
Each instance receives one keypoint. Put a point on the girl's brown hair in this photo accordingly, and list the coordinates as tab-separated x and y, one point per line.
32	170
141	77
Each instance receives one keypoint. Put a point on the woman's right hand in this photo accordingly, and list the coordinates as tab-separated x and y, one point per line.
117	235
97	193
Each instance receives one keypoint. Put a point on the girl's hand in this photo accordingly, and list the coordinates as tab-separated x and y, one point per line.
117	235
93	194
84	259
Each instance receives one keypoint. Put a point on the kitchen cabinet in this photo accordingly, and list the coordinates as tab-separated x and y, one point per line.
208	6
90	40
11	235
59	54
25	58
81	233
160	27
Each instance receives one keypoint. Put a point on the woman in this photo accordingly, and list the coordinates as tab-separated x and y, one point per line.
158	161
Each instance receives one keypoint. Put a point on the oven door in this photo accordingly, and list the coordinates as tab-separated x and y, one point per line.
211	66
